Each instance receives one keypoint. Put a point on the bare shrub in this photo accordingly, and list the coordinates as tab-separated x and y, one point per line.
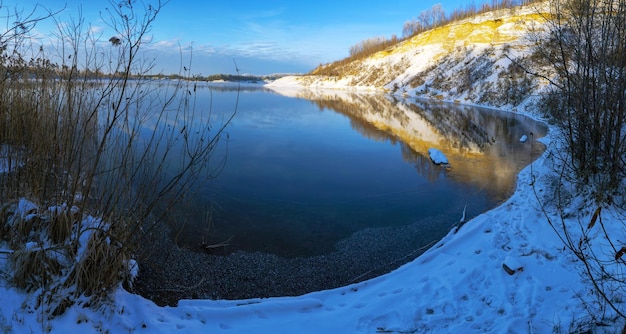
584	51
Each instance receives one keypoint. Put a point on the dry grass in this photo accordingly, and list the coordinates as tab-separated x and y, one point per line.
33	269
60	226
74	145
101	267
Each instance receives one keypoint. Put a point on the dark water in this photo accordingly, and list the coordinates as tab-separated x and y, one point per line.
303	173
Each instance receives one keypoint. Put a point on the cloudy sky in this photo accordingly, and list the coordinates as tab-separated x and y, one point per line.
262	37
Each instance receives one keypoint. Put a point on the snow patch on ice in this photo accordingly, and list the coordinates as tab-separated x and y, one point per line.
523	138
437	157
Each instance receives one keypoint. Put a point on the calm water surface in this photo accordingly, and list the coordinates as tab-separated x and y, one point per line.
302	173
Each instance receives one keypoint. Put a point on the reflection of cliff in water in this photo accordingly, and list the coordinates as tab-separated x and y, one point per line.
482	145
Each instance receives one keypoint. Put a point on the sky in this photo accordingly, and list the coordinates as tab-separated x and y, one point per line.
260	37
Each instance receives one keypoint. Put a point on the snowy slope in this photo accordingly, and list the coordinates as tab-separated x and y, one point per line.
473	61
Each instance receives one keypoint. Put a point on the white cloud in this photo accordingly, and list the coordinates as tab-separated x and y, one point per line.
168	45
96	30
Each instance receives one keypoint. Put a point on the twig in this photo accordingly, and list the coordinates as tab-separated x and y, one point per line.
217	245
392	262
181	288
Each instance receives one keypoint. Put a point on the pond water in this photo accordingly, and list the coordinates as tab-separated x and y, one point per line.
305	172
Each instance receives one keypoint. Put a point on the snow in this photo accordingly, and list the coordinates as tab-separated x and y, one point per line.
88	227
512	265
31	245
133	268
457	286
523	139
26	209
437	157
430	65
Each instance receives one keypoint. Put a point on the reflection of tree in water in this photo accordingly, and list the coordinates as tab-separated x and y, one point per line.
467	126
387	108
482	145
357	106
462	128
368	130
422	163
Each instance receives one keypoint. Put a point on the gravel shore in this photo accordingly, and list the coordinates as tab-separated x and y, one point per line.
172	273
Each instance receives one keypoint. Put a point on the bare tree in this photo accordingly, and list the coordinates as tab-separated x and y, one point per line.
411	27
426	18
438	15
584	49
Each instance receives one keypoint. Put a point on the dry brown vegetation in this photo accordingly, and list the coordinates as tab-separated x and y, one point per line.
584	49
83	182
358	52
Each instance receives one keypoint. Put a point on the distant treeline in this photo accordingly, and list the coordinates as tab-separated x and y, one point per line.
220	77
373	45
39	67
426	20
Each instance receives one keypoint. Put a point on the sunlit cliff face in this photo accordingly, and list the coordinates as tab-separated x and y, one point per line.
474	61
482	146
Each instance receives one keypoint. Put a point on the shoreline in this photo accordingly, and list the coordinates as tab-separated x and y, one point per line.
186	274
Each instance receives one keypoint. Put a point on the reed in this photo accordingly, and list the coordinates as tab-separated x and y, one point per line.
72	134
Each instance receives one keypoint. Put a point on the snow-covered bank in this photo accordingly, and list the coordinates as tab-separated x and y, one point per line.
458	286
297	83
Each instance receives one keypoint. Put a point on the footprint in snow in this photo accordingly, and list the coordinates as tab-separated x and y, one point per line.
449	310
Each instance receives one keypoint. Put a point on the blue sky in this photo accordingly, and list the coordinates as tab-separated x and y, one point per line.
263	37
